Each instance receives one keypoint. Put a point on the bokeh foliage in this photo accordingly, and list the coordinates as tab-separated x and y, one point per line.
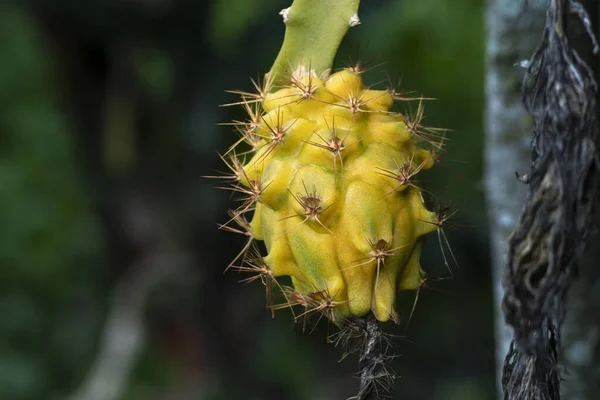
51	243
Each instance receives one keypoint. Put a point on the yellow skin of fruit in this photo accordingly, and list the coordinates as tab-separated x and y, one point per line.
339	220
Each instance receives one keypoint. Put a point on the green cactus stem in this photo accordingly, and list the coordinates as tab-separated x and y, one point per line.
314	31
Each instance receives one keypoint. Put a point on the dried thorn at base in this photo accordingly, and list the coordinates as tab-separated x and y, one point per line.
311	203
398	95
442	217
260	270
334	144
307	86
293	298
358	103
403	174
324	303
318	302
404	96
401	96
257	267
248	137
425	280
235	166
359	68
251	196
277	130
433	136
258	96
251	124
378	254
245	230
414	306
247	130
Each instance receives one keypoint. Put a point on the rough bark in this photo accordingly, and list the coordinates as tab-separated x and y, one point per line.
513	33
560	93
581	330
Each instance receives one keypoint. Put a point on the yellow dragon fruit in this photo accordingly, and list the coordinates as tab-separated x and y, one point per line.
327	176
329	181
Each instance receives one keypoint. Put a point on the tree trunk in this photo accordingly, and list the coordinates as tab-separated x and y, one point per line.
513	34
581	330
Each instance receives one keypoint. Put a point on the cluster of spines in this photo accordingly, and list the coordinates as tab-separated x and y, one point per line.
262	133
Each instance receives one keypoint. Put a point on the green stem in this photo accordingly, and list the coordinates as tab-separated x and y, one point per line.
313	34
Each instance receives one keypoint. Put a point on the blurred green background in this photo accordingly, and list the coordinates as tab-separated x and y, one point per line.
111	279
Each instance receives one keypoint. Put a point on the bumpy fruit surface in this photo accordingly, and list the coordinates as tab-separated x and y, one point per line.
329	186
